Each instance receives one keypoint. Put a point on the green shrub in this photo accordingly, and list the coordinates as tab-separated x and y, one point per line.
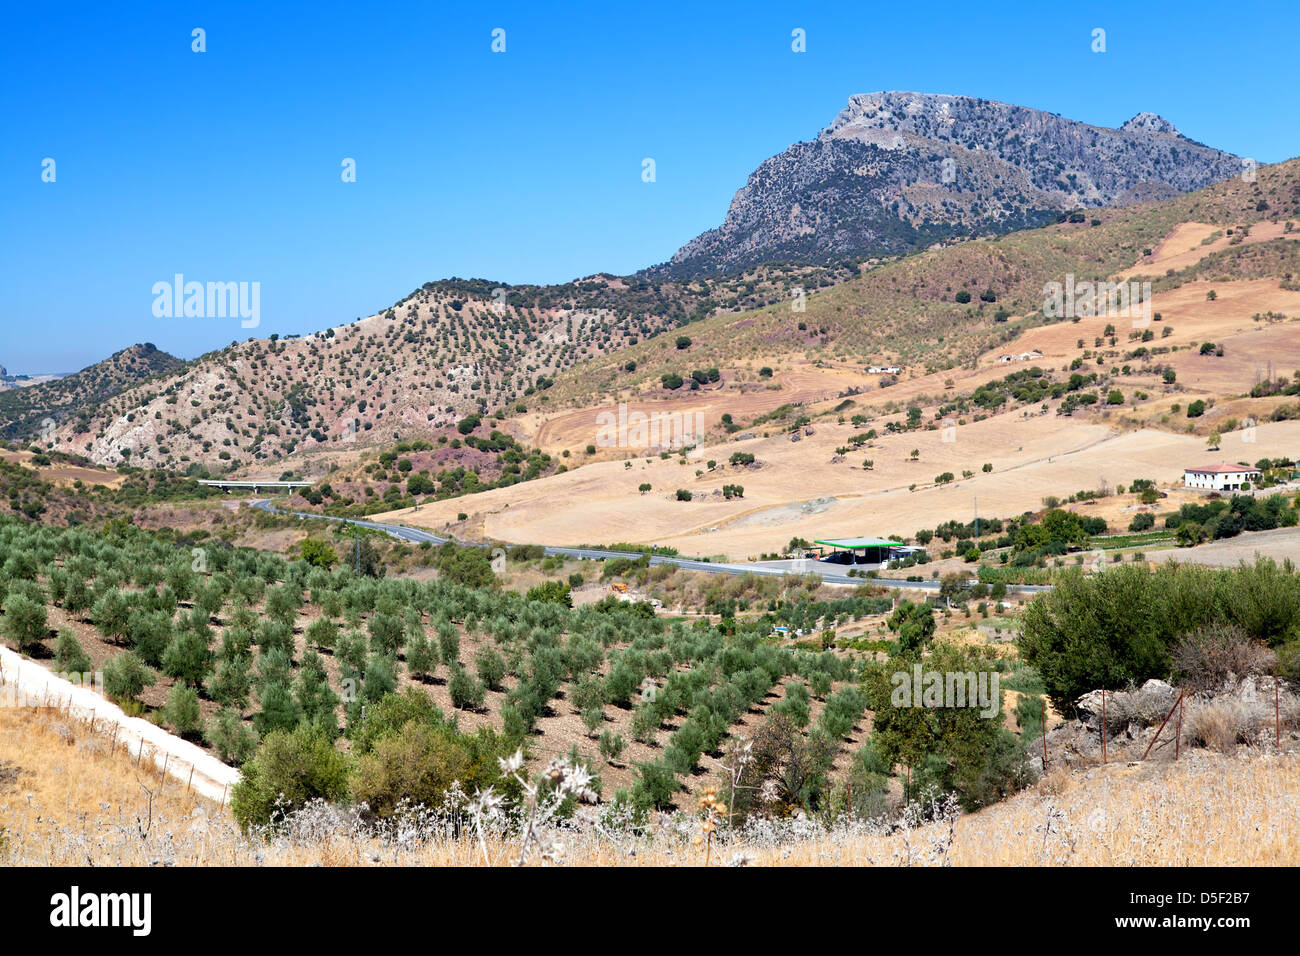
654	787
125	677
181	712
69	656
232	739
1142	521
419	764
421	656
466	691
24	622
288	770
187	658
611	745
552	592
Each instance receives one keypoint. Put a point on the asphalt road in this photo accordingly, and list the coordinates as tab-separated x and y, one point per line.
829	576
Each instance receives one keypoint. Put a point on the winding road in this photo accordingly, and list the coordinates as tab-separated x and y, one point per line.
418	536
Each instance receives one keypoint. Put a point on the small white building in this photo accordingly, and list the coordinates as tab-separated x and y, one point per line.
883	370
1223	477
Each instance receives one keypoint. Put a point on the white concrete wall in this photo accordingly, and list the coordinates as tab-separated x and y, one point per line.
24	683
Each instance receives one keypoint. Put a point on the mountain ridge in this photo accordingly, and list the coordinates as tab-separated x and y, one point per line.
894	172
26	411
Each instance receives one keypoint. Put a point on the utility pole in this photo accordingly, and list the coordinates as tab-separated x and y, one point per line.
358	551
977	515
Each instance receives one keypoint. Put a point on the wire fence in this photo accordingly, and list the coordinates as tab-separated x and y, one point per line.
12	693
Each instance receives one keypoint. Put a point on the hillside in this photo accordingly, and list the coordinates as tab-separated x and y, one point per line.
458	347
449	349
1153	814
455	347
837	449
25	412
897	171
907	312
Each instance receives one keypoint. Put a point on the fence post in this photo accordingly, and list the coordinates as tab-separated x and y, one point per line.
1277	711
1162	726
1178	741
162	778
191	780
1042	722
1103	723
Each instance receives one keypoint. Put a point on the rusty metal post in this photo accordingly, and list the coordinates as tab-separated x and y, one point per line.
1178	740
1162	726
1042	721
191	780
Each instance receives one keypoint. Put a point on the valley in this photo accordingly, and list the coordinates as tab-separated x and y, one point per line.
634	569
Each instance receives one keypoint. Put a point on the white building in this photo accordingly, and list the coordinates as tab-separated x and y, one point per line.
1223	477
883	370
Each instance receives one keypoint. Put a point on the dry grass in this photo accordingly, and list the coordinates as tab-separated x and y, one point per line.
71	803
66	800
1226	721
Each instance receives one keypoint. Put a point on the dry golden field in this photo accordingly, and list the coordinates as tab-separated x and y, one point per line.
64	475
1190	242
806	489
65	801
795	489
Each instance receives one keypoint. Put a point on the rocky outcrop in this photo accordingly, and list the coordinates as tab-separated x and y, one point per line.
896	172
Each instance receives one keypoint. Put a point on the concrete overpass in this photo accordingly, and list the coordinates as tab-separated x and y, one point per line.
226	484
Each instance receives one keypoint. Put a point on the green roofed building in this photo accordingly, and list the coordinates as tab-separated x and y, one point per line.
863	550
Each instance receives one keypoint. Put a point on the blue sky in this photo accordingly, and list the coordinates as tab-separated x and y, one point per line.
523	166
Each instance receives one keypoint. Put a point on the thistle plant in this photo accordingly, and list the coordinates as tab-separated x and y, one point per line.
543	798
740	751
712	809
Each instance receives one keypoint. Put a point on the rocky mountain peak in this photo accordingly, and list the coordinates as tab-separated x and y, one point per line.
897	171
1150	123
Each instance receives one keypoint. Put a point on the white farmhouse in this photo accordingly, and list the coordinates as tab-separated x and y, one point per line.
1223	477
1020	356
